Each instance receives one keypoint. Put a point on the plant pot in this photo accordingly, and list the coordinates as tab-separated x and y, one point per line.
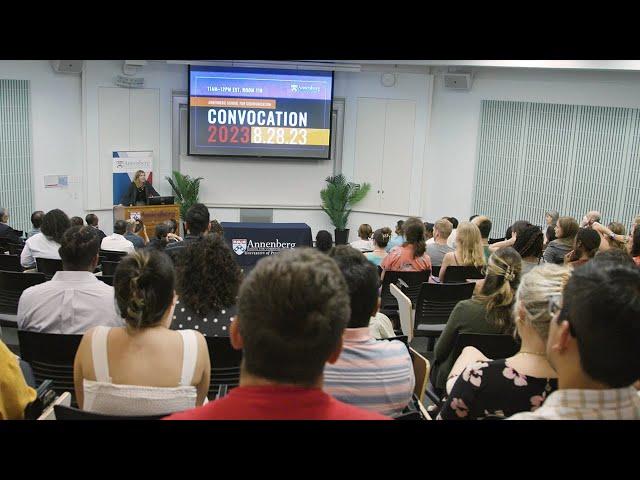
341	236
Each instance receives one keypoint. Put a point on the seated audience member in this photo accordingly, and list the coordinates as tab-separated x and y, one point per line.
217	228
143	368
74	300
6	232
590	218
468	252
173	236
207	282
292	311
480	387
76	222
46	243
551	218
371	374
635	246
92	220
36	221
529	244
380	326
566	230
136	240
484	225
472	217
593	346
398	239
411	256
613	256
324	241
609	242
116	241
487	312
428	231
439	248
451	241
585	247
364	238
141	231
511	236
15	394
380	240
160	241
197	225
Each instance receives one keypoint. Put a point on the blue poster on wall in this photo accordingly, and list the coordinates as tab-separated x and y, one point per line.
125	166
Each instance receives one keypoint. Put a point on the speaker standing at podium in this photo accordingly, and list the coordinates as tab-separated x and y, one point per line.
139	191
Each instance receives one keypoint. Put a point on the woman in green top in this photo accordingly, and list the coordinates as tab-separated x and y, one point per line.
487	312
381	238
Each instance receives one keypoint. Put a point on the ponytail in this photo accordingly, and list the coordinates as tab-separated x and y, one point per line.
144	287
498	291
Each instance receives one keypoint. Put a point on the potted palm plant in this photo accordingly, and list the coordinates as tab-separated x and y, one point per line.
186	189
337	199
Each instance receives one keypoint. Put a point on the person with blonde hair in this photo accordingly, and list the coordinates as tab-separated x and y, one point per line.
479	387
364	243
566	230
487	312
139	190
469	251
609	242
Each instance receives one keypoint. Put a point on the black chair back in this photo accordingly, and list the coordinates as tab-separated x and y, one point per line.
15	249
413	280
457	274
4	245
49	266
71	413
112	255
435	271
109	268
10	263
108	279
225	365
491	345
12	284
51	356
436	301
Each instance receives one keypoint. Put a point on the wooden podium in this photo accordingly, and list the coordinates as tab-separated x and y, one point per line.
151	215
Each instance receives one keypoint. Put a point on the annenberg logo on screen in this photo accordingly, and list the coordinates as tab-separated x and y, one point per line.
242	246
304	88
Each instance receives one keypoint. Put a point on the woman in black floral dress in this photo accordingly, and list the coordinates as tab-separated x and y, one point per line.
481	388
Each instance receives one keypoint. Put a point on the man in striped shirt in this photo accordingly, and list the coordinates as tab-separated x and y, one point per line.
594	340
371	374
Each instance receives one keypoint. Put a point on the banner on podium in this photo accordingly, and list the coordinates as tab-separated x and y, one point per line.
125	166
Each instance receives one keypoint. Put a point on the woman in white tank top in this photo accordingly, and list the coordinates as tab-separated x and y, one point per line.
144	368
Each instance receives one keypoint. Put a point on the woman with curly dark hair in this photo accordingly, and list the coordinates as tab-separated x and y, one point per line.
46	243
208	279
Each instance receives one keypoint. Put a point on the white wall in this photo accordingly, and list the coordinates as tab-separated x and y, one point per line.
56	132
451	151
441	185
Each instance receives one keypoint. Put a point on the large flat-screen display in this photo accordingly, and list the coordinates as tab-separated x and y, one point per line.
259	113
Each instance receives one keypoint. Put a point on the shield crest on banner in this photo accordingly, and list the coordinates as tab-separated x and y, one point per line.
239	245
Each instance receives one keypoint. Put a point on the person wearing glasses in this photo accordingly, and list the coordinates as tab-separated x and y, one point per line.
481	388
593	344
